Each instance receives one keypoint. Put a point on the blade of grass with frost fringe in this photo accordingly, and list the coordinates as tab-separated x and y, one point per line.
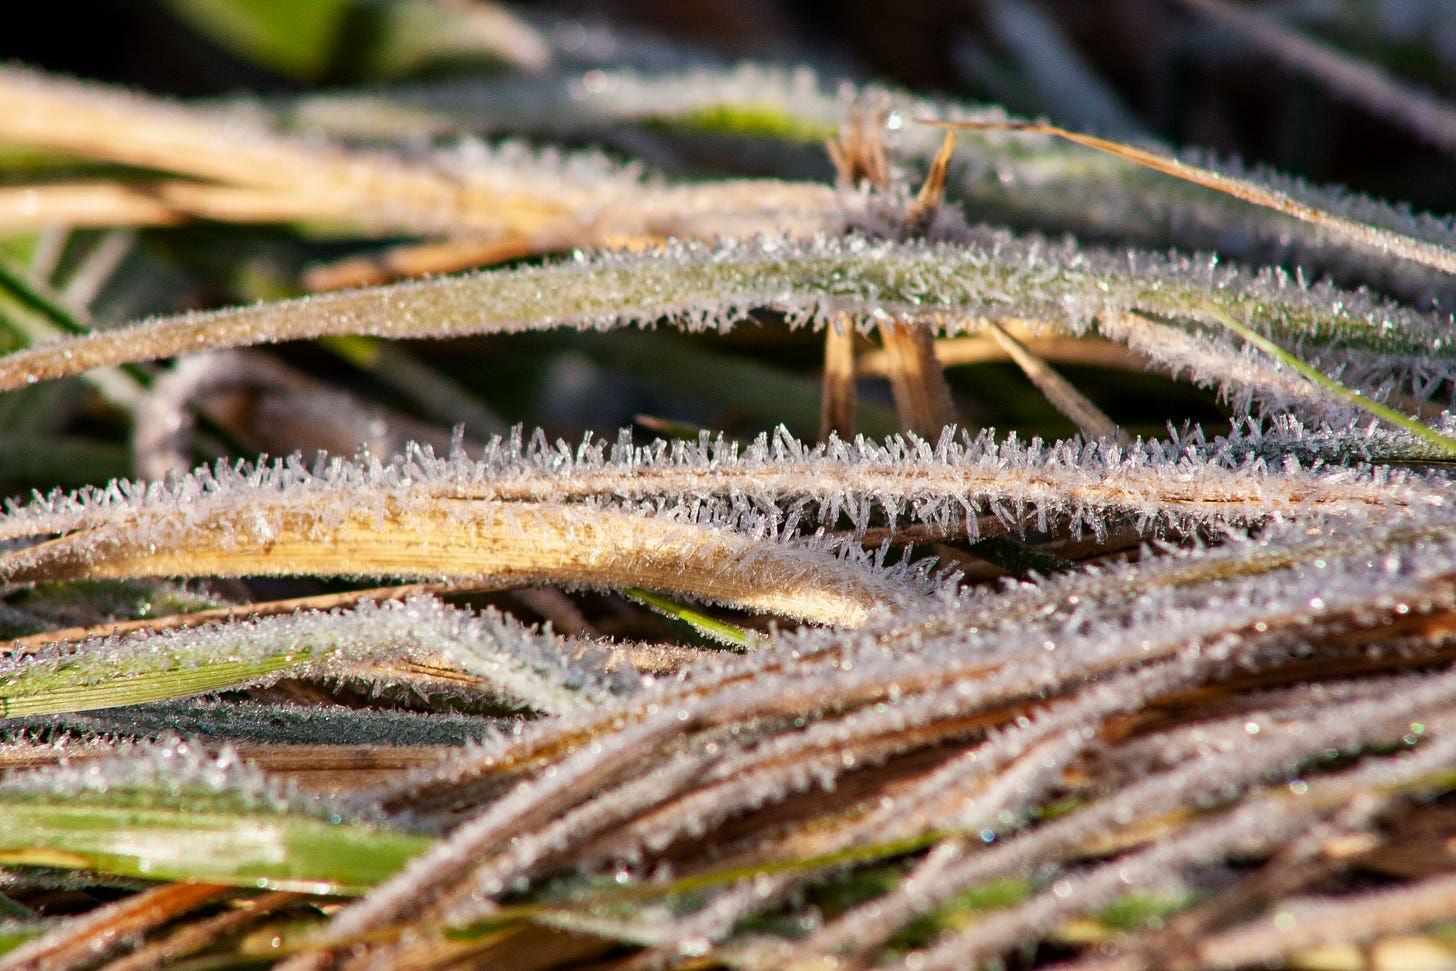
1356	443
1420	251
1422	431
371	532
713	288
244	849
38	688
243	722
142	810
158	606
945	484
526	666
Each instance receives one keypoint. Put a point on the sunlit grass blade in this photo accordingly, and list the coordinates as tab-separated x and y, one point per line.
73	688
709	627
506	544
1426	433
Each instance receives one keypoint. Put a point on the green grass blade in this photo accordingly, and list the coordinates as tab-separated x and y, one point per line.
47	690
709	627
277	851
1445	443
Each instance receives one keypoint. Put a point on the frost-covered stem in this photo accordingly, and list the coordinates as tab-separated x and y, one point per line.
837	410
930	286
948	489
534	668
503	543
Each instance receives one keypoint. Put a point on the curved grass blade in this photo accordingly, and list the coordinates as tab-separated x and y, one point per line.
1445	443
709	627
371	533
149	810
700	288
524	666
1382	240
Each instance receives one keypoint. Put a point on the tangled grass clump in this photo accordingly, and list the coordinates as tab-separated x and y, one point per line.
1099	692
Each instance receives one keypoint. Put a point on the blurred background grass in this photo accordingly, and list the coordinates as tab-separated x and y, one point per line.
1166	70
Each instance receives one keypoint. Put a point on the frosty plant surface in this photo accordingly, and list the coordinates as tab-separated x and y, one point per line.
947	698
